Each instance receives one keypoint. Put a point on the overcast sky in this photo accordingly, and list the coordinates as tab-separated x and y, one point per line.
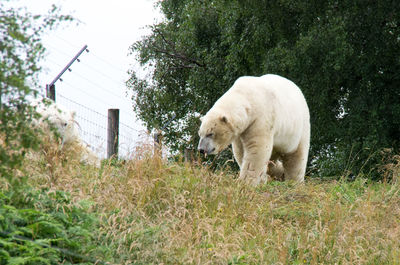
97	82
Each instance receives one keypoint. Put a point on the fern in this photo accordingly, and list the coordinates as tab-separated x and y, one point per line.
53	232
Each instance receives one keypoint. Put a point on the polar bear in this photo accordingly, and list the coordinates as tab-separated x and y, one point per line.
267	121
64	122
58	116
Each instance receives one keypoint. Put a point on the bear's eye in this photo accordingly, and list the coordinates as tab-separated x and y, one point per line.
210	135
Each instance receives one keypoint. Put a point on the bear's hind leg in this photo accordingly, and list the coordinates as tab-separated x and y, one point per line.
295	164
275	169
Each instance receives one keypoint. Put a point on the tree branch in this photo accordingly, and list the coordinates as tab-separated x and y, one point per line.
173	53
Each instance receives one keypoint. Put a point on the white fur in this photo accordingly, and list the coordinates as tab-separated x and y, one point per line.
59	117
88	156
265	118
64	121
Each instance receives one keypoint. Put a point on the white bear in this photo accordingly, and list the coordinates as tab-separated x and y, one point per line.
64	121
58	116
267	121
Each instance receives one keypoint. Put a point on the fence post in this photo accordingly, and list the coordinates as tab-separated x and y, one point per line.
187	155
157	142
113	132
51	92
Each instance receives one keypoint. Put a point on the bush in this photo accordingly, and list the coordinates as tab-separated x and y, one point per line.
44	227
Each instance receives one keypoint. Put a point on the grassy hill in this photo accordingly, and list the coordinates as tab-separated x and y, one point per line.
151	211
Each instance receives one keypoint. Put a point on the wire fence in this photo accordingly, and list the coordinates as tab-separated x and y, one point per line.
91	87
93	129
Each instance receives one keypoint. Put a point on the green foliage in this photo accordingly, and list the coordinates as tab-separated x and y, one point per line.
20	51
46	228
36	226
343	55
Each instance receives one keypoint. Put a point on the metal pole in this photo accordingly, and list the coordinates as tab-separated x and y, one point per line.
50	88
68	65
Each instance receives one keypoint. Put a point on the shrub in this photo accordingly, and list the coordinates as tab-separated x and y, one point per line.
44	227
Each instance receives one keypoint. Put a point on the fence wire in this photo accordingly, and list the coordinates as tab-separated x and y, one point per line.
93	127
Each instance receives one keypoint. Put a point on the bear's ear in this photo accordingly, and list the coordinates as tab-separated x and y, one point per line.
224	119
201	118
73	114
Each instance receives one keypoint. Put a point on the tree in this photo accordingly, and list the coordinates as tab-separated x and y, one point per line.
343	55
20	51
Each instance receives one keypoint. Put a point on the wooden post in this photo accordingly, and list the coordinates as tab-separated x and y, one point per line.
187	155
113	132
51	92
157	142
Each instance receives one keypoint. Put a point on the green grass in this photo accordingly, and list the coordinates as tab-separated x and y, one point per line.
157	212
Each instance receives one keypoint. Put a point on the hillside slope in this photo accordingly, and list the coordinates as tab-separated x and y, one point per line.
158	212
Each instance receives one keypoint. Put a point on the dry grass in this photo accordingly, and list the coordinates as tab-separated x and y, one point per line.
157	212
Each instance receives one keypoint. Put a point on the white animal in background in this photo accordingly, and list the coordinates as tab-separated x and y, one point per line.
88	156
59	117
64	122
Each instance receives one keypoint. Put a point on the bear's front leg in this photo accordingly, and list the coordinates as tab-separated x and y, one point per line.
237	148
257	153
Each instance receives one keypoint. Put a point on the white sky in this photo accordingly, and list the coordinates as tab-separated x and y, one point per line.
97	82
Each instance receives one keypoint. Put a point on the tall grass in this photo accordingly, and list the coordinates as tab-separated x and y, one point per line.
40	224
159	212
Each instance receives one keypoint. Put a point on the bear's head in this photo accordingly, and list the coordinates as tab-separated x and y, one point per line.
62	119
66	125
216	133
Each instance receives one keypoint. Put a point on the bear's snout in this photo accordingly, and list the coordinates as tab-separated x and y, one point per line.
206	146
